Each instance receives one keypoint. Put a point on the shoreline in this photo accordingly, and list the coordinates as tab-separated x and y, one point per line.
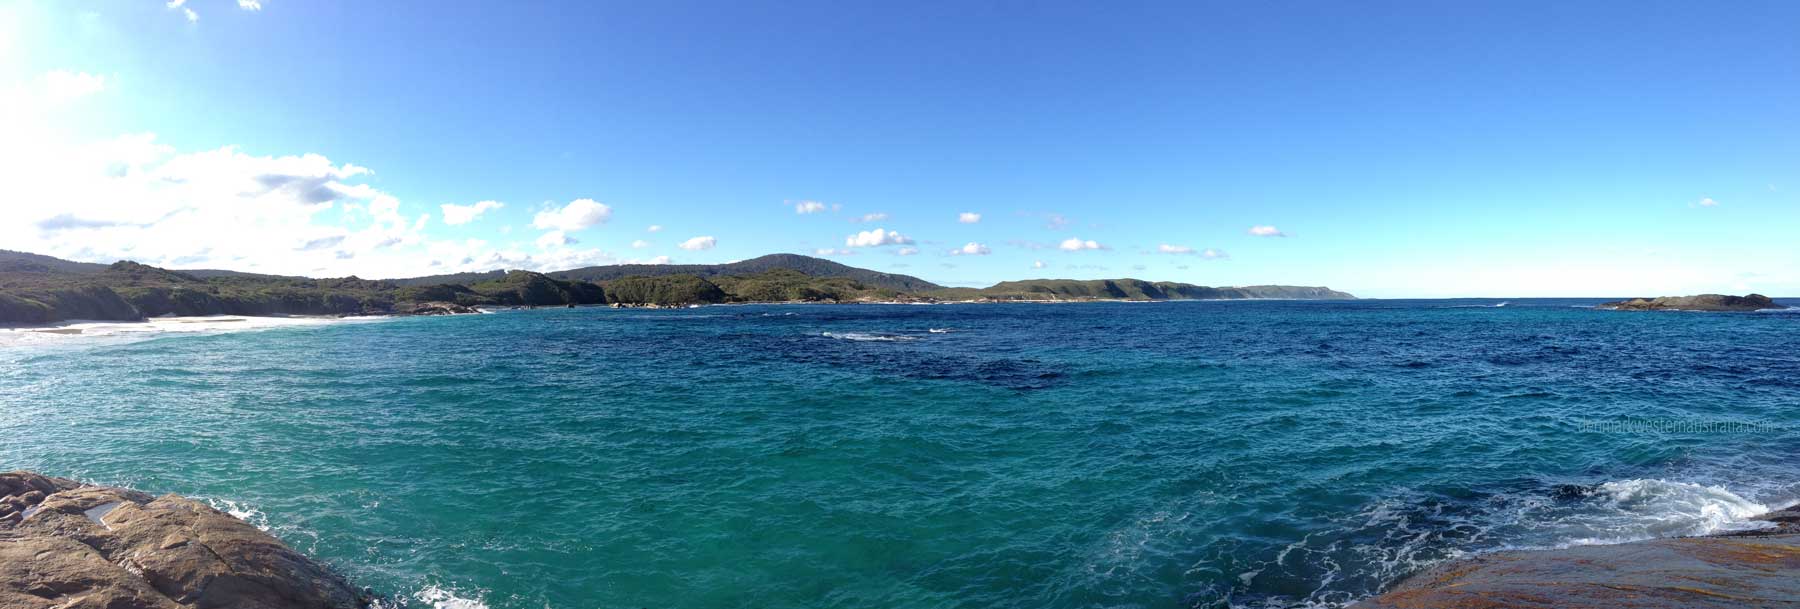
1723	570
41	514
77	329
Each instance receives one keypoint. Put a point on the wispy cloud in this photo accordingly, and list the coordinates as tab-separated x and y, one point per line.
250	5
874	217
906	251
1182	250
654	228
829	251
968	217
1264	230
463	214
809	207
699	243
1038	264
1708	202
639	244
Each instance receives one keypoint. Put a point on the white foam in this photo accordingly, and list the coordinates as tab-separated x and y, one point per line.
440	598
116	330
1632	510
868	337
240	511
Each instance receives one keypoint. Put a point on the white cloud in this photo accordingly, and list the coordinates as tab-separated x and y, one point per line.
972	249
1055	221
1264	230
1074	244
1038	264
827	251
968	217
554	239
191	15
250	5
808	207
654	228
1708	202
698	243
175	3
1174	249
63	85
135	198
658	260
577	215
874	217
640	244
456	215
1213	254
876	238
906	251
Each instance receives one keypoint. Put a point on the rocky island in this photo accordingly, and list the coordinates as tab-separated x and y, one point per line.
1729	571
68	545
1700	302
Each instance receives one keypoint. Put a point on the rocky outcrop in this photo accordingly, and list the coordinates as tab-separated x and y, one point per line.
1746	569
1702	302
65	545
433	308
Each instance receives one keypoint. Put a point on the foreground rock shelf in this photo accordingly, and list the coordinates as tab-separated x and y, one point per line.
66	545
1741	570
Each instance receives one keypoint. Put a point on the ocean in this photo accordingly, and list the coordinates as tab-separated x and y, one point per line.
1160	455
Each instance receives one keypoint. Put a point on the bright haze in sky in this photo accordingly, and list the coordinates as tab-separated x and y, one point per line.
1388	149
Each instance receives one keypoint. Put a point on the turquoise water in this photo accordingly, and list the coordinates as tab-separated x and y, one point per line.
1193	454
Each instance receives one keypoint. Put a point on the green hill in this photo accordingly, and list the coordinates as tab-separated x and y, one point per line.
37	289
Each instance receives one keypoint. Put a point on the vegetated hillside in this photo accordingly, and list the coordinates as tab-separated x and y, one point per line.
42	289
785	285
44	293
805	265
25	262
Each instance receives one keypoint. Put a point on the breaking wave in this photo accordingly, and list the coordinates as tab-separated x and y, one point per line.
868	337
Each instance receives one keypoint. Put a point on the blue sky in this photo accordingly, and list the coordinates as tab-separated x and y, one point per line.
1397	149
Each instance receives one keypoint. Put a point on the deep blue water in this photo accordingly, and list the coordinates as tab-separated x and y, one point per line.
1188	454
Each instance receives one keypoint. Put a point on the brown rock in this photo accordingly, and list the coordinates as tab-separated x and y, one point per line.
1684	573
70	546
1702	302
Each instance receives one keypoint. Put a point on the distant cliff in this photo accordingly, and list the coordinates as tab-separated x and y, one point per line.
38	289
